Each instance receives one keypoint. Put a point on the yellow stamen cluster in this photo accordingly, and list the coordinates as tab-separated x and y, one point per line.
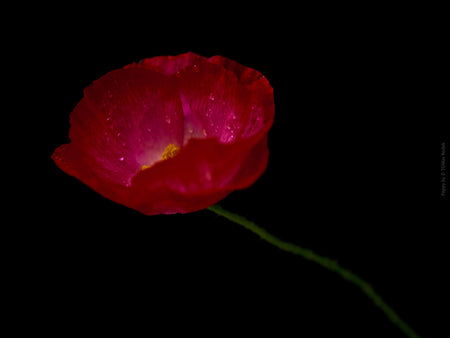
170	151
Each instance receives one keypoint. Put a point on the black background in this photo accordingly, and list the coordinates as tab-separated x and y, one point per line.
353	175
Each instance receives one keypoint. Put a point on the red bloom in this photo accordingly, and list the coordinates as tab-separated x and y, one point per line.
170	134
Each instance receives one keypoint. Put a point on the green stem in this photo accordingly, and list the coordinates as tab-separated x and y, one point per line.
323	261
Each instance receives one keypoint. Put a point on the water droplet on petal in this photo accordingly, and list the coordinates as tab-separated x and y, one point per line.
149	130
121	159
168	120
196	69
211	97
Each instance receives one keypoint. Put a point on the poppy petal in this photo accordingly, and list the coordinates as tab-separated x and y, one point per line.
244	74
124	121
169	65
216	105
204	170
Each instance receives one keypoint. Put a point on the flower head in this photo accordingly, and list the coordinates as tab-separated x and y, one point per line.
170	133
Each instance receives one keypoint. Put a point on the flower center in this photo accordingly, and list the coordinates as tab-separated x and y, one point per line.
170	151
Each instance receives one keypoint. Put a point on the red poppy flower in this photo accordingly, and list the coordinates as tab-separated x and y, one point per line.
170	134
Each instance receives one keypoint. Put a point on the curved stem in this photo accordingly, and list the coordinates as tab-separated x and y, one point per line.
323	261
